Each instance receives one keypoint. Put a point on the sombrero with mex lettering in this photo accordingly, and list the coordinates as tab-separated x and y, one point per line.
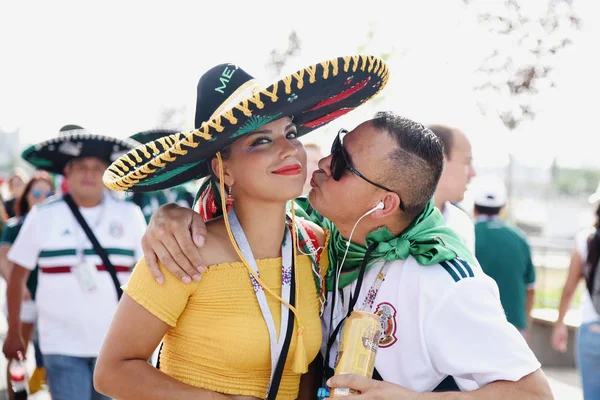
74	142
231	103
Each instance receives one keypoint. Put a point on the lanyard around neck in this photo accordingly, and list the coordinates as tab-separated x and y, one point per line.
276	343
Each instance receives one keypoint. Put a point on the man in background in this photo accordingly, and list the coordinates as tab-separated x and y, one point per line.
458	172
503	252
78	288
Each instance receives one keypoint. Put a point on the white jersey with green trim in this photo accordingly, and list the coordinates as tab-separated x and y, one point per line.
73	320
440	320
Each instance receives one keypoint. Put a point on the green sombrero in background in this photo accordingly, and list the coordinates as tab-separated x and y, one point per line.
230	104
73	142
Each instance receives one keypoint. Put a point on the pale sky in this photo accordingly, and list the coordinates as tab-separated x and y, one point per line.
112	66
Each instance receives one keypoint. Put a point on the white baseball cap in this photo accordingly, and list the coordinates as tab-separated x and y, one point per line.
489	191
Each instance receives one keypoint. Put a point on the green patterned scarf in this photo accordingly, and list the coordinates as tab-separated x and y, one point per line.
427	239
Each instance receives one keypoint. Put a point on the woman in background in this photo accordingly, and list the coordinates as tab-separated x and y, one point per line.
584	265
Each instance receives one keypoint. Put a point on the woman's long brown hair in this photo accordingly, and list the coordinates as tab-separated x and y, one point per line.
591	264
22	205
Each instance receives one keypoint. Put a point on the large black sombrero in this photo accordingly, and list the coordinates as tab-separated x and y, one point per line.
75	142
231	103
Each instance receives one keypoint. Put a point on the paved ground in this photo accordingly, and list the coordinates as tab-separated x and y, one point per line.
565	383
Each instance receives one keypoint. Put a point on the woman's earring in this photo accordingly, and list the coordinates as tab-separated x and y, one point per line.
229	198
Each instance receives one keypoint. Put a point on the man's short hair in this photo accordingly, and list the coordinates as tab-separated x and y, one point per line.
414	167
446	134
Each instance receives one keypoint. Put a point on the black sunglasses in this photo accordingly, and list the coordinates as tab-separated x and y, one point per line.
339	164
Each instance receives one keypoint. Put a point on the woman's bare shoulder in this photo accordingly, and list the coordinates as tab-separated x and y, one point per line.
217	248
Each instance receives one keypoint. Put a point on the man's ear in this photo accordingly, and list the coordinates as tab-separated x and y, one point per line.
227	177
391	202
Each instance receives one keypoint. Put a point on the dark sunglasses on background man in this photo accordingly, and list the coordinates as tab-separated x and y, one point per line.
340	163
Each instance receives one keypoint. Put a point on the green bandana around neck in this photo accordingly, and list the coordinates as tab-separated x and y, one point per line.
428	239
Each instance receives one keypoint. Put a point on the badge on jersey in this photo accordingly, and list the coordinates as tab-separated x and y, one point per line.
116	229
387	316
86	272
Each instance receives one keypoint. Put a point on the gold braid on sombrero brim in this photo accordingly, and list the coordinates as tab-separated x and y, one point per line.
126	171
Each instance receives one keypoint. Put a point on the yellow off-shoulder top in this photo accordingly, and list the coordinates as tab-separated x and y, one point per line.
218	338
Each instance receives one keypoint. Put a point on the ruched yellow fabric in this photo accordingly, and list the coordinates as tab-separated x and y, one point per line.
218	338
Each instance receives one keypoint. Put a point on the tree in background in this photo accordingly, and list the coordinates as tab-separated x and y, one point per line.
278	59
526	38
573	181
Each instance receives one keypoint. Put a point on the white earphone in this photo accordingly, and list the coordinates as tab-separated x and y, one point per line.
379	206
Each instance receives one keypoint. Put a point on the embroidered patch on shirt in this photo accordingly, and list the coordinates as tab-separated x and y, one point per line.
387	315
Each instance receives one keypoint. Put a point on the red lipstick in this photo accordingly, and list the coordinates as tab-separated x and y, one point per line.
294	169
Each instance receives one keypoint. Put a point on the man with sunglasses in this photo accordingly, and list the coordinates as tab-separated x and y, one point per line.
392	254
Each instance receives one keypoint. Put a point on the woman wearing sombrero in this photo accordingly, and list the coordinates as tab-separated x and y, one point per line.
250	327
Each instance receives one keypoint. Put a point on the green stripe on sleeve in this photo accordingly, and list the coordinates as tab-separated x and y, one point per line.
449	270
467	267
459	268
